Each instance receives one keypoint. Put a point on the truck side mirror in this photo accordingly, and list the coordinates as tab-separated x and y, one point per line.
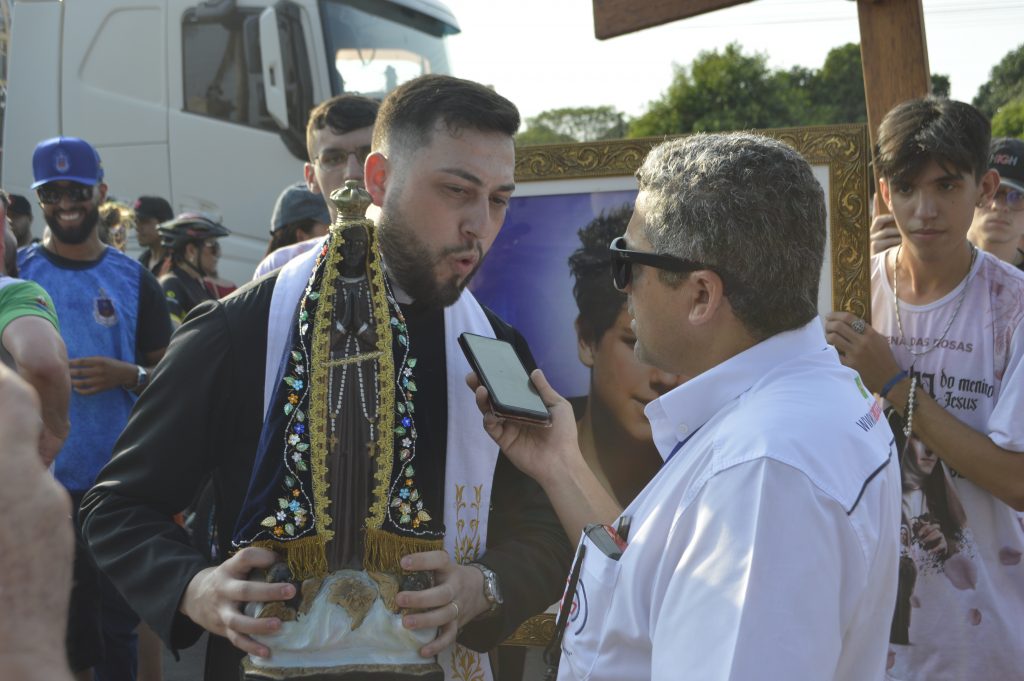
287	77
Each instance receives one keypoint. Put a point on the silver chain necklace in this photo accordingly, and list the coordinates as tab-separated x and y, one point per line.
956	311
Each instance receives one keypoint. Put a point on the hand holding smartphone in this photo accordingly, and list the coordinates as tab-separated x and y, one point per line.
513	395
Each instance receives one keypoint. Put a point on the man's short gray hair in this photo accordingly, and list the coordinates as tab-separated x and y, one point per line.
748	207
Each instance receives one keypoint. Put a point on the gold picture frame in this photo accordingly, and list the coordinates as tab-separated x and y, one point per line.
839	156
841	150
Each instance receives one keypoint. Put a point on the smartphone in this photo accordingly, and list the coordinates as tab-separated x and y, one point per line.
503	374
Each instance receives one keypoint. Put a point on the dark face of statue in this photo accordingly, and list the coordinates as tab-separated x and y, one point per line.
353	252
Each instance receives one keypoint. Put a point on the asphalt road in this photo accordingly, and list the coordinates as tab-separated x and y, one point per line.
190	667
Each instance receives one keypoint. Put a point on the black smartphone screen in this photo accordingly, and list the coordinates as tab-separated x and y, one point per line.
503	374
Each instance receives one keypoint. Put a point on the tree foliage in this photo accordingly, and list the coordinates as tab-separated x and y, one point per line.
573	124
940	85
728	90
731	91
1009	120
725	90
535	134
837	89
1005	83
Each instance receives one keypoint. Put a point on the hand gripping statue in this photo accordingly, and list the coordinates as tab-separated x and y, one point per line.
335	490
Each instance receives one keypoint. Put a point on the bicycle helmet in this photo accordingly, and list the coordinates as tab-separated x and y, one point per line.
188	228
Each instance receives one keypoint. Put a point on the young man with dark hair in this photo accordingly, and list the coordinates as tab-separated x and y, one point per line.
614	434
287	398
338	137
765	547
998	226
338	140
946	353
115	325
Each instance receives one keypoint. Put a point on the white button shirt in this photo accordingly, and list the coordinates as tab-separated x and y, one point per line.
767	545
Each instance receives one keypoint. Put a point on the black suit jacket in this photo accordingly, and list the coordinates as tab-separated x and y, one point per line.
200	418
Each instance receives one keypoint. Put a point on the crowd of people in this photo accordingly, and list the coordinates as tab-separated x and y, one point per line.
307	469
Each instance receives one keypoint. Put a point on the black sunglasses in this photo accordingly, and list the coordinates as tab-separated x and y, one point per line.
51	195
623	259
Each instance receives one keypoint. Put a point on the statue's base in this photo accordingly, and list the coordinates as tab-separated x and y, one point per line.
429	671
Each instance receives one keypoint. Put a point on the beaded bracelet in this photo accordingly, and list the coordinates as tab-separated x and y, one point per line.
890	384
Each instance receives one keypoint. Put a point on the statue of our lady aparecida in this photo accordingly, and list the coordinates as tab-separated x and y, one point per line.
335	489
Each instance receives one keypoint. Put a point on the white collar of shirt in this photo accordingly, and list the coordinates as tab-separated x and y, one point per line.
694	403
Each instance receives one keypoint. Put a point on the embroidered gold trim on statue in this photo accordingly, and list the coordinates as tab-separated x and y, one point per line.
384	550
319	421
306	557
385	445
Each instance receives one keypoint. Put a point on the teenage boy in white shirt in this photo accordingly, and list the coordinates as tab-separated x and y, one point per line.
947	353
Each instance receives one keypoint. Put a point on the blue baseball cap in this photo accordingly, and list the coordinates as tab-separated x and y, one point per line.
66	158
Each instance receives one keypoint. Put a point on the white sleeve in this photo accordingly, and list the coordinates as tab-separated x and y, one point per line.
1006	422
753	580
268	264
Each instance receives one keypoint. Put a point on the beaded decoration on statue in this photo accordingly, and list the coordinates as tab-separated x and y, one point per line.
347	392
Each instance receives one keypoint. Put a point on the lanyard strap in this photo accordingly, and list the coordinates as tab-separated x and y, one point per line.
679	445
553	652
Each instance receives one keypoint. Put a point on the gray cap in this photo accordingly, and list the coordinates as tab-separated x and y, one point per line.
296	203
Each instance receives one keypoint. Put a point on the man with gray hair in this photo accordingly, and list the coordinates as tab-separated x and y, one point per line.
766	546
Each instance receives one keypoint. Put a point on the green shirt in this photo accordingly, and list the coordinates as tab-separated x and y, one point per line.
24	298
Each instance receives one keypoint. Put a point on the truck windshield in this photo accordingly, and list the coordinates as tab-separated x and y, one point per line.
374	46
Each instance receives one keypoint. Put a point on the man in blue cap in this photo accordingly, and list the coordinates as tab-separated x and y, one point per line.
115	325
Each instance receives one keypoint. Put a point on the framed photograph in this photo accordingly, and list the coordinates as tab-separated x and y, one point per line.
562	189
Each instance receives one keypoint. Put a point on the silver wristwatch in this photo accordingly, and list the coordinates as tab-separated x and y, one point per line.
141	378
492	590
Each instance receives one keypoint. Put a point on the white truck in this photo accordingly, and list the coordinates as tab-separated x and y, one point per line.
204	102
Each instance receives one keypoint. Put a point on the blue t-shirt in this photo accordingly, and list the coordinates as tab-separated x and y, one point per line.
99	304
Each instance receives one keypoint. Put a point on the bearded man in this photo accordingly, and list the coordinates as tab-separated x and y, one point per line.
115	325
346	453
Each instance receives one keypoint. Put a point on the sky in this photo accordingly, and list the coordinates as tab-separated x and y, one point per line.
542	54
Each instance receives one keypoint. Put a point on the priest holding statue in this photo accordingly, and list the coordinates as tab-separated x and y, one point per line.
370	527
